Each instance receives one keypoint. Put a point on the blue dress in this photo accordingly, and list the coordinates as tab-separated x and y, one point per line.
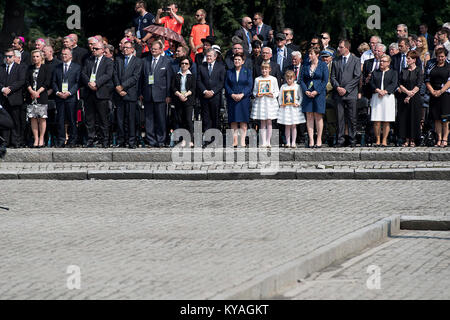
238	111
315	82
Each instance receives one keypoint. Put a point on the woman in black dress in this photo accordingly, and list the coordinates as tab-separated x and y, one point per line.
438	83
410	102
183	90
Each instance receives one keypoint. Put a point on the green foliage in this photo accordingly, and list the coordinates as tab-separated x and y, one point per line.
343	18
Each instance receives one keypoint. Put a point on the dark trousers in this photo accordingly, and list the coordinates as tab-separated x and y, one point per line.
210	112
183	114
155	123
126	121
66	110
101	108
12	136
346	113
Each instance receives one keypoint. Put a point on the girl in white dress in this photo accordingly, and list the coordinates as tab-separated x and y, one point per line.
290	112
265	105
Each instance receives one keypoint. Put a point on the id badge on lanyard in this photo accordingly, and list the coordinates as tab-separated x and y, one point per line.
151	79
65	87
92	79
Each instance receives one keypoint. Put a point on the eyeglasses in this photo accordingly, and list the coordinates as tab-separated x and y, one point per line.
198	15
286	33
128	47
184	63
97	49
254	19
386	61
8	56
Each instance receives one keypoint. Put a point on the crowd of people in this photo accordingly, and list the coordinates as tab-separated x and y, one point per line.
138	93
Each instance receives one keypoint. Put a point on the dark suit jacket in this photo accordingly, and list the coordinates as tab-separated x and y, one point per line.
287	60
163	73
79	55
191	85
25	58
103	79
127	78
364	83
264	32
15	81
73	79
274	70
348	78
390	82
215	82
291	67
44	80
293	47
241	34
396	60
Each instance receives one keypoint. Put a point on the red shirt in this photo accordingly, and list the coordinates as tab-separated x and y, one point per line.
199	32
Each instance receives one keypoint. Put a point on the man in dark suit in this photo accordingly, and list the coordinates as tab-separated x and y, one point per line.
238	48
296	65
289	33
127	71
97	77
6	123
398	61
79	54
245	34
345	76
18	44
266	55
12	81
260	29
66	77
210	82
282	56
155	89
368	68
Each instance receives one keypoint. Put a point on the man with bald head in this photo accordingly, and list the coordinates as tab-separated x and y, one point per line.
245	34
97	76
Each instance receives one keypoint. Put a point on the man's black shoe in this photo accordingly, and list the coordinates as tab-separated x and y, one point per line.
90	144
2	151
339	145
132	146
105	145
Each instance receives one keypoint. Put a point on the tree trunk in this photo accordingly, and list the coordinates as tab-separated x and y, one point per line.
279	17
210	14
13	23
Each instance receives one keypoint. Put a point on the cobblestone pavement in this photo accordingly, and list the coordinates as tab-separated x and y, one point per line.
411	265
153	239
69	166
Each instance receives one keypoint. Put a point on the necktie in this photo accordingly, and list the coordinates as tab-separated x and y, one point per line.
126	62
280	58
403	62
249	42
65	71
258	30
94	71
209	69
296	72
377	65
344	61
153	66
7	69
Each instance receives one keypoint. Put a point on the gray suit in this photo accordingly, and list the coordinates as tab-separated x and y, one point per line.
346	76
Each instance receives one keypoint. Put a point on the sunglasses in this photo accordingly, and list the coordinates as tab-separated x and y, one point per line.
184	63
8	56
97	49
313	43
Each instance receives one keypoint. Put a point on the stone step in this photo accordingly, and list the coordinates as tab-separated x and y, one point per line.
226	154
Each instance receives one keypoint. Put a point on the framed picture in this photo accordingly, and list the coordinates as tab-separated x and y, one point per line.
264	87
288	97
